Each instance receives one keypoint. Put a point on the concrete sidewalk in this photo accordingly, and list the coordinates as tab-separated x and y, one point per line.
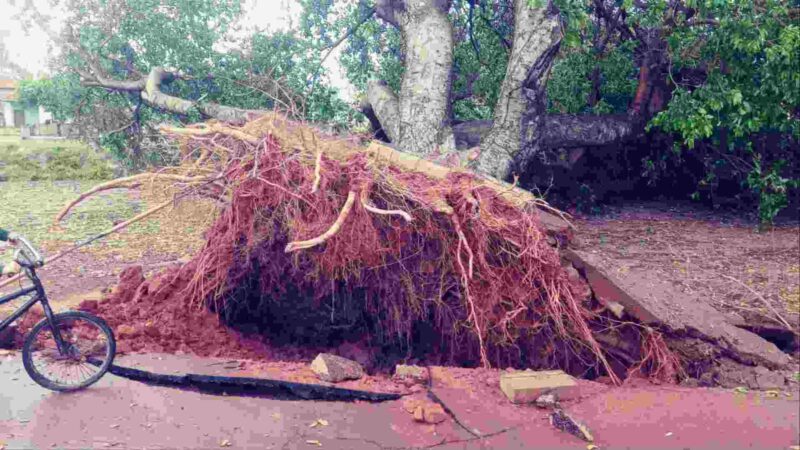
118	413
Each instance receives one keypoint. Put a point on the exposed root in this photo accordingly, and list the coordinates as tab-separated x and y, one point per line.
659	362
387	212
300	245
462	240
212	128
473	312
317	177
131	182
383	212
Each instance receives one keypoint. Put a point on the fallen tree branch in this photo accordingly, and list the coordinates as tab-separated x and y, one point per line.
300	245
776	314
116	228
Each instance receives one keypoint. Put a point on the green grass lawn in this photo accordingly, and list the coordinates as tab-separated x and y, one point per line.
26	160
28	207
35	144
38	178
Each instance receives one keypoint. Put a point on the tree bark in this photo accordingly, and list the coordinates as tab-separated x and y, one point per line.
386	107
536	41
560	131
420	126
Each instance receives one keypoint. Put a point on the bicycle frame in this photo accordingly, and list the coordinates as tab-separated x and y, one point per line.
38	296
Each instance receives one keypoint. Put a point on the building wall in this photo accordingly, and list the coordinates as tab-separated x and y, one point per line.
8	114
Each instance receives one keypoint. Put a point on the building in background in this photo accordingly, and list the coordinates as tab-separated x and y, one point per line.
18	115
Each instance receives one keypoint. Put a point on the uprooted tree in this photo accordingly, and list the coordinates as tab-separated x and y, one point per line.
397	239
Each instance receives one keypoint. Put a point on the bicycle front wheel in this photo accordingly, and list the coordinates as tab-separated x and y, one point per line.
89	349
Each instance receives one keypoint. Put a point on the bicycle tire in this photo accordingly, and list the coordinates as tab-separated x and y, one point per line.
45	382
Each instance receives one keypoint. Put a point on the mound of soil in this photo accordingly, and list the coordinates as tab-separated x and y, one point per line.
144	320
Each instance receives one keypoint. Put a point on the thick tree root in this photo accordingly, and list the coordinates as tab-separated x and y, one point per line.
301	245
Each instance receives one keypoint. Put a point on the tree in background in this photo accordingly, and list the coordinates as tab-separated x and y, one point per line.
126	65
720	78
524	83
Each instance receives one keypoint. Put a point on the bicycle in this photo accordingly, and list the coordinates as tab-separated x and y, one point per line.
65	330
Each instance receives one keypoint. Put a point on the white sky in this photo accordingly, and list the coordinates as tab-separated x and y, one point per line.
30	50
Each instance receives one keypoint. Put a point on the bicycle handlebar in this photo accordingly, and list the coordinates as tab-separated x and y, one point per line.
34	256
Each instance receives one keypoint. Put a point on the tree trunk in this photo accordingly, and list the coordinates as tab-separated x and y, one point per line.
560	131
421	123
522	97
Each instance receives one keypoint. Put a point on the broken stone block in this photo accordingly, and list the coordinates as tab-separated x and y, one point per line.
527	386
425	411
414	374
334	368
434	413
564	422
547	401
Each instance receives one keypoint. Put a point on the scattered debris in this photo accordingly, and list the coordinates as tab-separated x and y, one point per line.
527	386
334	368
314	442
547	401
425	411
225	443
565	422
412	374
319	423
685	320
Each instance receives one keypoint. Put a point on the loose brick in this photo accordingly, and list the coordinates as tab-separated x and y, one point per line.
527	386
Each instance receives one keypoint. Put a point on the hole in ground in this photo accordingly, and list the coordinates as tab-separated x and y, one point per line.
786	340
293	316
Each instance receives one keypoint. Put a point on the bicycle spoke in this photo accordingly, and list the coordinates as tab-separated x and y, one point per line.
82	339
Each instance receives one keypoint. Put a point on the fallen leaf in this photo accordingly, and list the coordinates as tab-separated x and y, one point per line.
314	442
773	394
319	423
276	416
668	434
740	390
591	447
114	425
225	443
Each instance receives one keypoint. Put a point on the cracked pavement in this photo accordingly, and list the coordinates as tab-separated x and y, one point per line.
119	413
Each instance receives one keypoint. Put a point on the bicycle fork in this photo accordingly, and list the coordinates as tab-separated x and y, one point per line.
49	315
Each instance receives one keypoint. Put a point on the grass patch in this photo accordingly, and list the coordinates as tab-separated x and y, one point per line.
28	207
30	160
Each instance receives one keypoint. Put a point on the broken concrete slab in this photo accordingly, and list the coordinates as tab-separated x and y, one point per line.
334	368
651	300
527	386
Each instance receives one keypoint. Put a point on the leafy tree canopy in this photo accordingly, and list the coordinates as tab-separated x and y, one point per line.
726	70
